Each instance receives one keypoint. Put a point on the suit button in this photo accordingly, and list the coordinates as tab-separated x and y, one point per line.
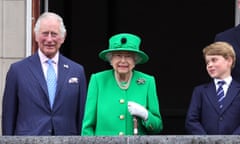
50	131
221	106
121	101
221	118
121	117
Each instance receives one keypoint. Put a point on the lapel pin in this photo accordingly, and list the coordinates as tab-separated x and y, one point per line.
65	66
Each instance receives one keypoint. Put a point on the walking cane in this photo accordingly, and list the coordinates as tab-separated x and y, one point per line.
135	125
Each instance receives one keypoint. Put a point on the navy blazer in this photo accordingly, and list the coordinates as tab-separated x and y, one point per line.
232	36
26	109
205	117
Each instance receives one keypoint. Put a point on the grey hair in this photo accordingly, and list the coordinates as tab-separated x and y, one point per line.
50	14
136	57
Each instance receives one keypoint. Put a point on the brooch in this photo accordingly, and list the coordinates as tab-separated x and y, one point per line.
140	81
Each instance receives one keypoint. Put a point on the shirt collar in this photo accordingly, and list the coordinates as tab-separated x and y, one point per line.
43	58
228	80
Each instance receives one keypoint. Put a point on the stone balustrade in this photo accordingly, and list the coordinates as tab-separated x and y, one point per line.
160	139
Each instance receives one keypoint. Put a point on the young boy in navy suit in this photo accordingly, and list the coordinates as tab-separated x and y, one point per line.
213	111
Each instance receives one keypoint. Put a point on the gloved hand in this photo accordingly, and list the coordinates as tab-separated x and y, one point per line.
137	110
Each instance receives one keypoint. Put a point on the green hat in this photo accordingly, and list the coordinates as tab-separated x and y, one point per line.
125	42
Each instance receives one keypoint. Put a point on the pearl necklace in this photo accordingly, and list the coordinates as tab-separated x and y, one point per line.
123	85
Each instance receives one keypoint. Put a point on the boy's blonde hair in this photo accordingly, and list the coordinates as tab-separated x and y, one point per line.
220	48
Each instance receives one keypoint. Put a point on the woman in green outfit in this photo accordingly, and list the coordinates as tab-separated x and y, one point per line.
118	96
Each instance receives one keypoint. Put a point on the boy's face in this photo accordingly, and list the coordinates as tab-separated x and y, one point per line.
217	66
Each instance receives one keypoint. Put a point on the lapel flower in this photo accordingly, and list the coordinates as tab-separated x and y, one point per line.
140	81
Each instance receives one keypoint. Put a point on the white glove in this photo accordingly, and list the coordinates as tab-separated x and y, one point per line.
137	110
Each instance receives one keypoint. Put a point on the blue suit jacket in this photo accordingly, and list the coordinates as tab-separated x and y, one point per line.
26	109
232	36
204	115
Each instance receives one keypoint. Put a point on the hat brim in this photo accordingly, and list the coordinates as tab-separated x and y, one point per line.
144	57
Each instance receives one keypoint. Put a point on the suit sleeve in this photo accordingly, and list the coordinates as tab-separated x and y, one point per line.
154	123
82	94
89	120
9	105
192	123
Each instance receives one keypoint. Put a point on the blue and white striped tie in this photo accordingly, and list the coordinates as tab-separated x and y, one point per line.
51	82
220	93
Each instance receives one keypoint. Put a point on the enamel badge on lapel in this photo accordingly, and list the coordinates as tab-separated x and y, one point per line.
65	66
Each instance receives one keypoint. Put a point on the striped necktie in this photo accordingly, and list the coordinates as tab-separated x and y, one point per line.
51	81
220	93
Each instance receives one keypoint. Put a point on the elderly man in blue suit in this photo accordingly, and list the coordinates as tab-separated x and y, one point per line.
27	108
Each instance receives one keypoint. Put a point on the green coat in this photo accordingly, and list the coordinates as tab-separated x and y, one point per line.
106	110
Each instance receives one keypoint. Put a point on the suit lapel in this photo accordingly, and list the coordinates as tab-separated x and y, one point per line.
212	95
36	68
63	69
232	92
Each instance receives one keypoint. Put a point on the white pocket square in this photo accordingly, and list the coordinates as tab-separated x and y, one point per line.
73	80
